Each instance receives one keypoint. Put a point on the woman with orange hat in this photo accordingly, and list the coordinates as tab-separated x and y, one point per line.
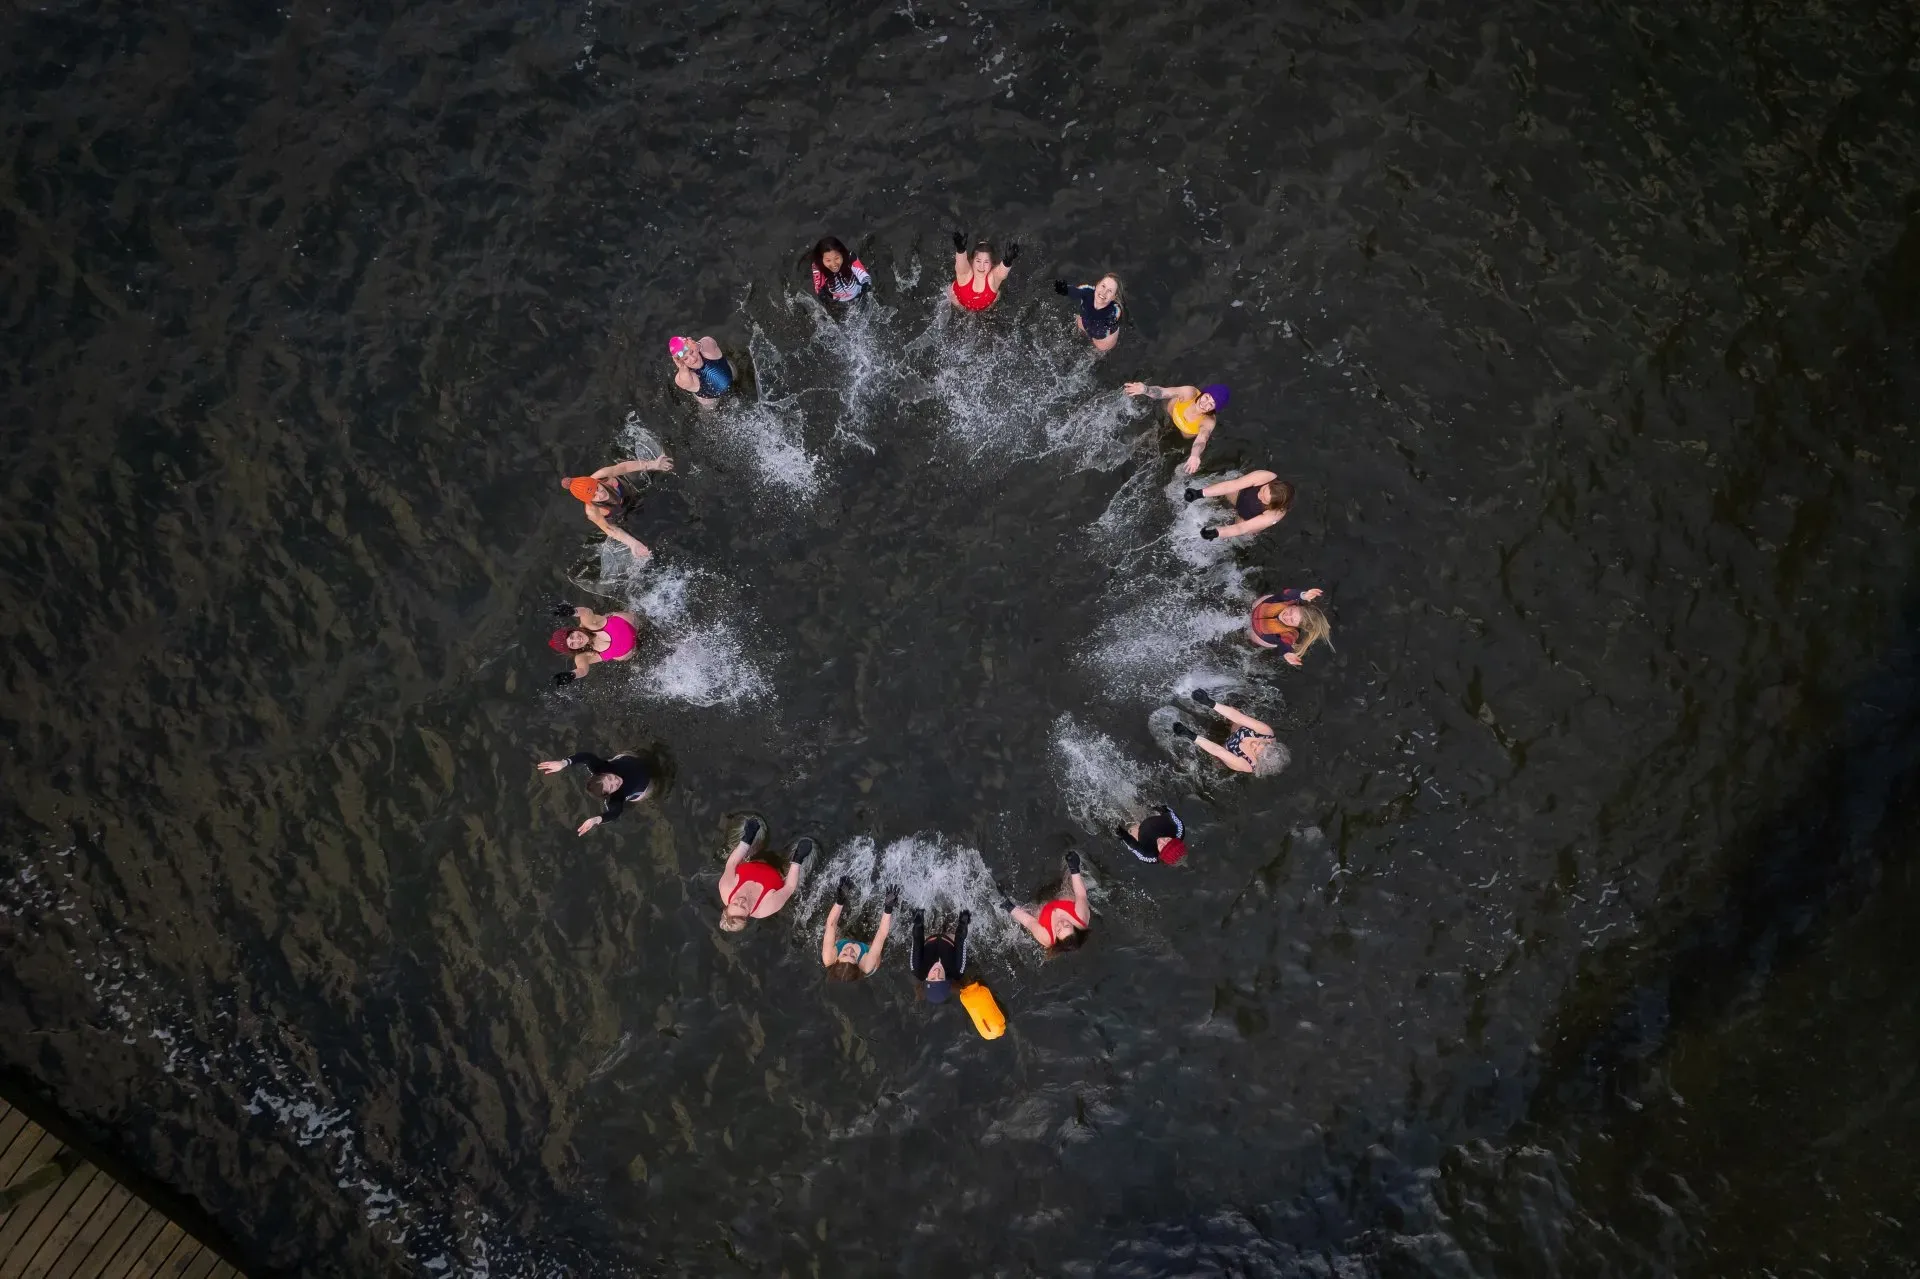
593	638
607	499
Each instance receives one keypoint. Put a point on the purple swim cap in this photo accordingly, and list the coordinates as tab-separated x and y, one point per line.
1219	393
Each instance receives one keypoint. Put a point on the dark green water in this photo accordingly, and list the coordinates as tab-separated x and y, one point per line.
1574	939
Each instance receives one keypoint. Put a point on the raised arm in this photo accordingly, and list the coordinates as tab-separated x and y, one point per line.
1199	446
730	877
1222	754
1080	907
773	901
830	940
1242	719
1227	488
871	960
661	463
1029	921
618	534
960	946
710	349
1161	392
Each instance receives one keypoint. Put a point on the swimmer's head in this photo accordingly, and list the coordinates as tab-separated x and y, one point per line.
1273	758
578	641
607	783
587	489
937	991
1277	495
1313	625
830	256
559	640
681	348
733	917
849	952
844	970
1106	290
1067	936
982	259
1212	398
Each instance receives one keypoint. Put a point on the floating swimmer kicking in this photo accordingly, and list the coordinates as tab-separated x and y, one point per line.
1250	748
592	639
1060	924
844	958
1261	500
1192	409
753	889
607	498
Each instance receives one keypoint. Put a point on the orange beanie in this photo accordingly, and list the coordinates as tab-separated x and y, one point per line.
584	487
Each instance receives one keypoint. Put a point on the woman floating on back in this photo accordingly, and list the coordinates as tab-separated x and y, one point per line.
593	638
844	958
1261	500
1060	924
1291	622
1191	408
838	276
976	280
1099	303
753	889
1250	748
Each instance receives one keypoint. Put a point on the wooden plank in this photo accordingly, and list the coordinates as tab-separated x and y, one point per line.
111	1221
33	1147
11	1122
148	1263
115	1264
202	1265
17	1247
40	1260
27	1211
226	1270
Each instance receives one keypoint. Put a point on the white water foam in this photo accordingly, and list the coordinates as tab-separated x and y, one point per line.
933	874
692	648
1101	783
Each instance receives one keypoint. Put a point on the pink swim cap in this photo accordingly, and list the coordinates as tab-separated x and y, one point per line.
677	345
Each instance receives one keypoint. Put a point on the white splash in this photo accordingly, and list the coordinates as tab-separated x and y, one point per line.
1101	783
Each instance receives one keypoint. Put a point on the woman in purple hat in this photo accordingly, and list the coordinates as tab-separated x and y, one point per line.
1191	408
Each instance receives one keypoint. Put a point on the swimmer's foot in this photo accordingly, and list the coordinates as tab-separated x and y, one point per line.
803	850
1181	730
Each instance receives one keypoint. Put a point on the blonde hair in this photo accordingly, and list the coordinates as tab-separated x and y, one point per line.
1314	627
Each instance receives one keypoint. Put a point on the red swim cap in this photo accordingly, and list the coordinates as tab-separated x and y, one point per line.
558	640
1172	851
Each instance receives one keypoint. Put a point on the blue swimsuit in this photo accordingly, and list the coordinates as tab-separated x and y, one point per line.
1098	321
716	378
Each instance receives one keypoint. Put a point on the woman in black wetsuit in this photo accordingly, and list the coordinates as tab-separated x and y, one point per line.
940	961
622	780
1159	837
1099	302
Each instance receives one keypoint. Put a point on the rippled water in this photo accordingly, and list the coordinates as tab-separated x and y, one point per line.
1572	941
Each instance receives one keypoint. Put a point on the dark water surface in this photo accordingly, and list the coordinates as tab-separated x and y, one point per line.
1577	939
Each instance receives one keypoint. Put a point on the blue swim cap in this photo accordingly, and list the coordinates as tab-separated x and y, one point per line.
1219	393
937	992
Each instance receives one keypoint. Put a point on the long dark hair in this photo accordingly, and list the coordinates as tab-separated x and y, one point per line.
820	251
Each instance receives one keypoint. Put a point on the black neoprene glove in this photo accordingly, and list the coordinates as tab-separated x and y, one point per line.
893	900
1182	730
1209	534
920	919
1060	287
1073	862
1006	904
966	919
1013	251
959	241
843	890
1194	495
564	678
562	609
1202	696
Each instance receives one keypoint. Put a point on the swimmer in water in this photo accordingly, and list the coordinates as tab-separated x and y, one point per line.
940	962
1060	924
838	276
756	889
844	958
700	368
1099	304
1192	409
1261	500
976	280
622	780
1159	837
594	638
1291	622
1250	748
606	498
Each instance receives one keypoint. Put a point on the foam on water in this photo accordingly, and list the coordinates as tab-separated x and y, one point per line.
865	368
934	875
692	648
767	432
1100	782
1163	642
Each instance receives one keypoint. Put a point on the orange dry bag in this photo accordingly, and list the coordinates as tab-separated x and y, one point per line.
987	1017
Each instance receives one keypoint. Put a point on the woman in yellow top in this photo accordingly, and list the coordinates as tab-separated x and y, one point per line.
1191	408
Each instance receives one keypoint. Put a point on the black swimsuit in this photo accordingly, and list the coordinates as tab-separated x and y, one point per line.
1098	321
1247	504
632	772
948	951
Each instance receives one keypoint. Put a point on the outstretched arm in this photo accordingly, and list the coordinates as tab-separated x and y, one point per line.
730	877
661	463
1027	920
1226	488
774	900
1242	719
1222	754
830	940
1246	528
618	534
709	349
1161	392
1199	447
871	960
1080	907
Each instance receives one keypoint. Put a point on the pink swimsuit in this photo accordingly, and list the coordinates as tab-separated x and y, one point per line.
620	639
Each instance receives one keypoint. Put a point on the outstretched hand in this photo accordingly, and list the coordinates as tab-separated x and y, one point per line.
1193	466
1013	251
1134	388
1060	287
563	609
959	241
552	766
563	679
1313	594
1293	659
843	890
893	900
589	824
1073	862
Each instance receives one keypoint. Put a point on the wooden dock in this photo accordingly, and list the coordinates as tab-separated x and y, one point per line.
61	1217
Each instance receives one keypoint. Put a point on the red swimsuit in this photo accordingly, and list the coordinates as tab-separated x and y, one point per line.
1047	911
975	299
